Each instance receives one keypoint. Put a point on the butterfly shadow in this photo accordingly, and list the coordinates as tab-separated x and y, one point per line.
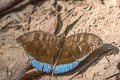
92	59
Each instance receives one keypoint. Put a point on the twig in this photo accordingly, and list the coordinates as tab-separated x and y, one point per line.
22	3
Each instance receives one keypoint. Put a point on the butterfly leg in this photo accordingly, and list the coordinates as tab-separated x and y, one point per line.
31	73
54	67
55	60
107	59
109	53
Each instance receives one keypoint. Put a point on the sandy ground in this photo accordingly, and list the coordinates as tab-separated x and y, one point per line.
95	17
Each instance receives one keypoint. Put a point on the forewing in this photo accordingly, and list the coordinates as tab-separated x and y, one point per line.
40	45
79	46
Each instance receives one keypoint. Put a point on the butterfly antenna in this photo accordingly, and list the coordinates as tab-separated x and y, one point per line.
59	24
69	27
61	21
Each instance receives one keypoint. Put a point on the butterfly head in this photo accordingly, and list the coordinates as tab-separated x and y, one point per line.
63	35
62	39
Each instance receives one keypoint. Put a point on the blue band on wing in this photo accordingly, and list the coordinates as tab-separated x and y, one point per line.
67	67
40	65
58	68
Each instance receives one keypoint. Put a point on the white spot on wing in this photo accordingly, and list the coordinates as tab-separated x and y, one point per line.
47	37
81	38
80	48
90	39
75	38
50	37
41	37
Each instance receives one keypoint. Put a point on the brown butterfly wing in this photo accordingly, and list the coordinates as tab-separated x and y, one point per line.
40	45
78	45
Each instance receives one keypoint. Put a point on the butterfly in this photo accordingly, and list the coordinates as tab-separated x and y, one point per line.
58	54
